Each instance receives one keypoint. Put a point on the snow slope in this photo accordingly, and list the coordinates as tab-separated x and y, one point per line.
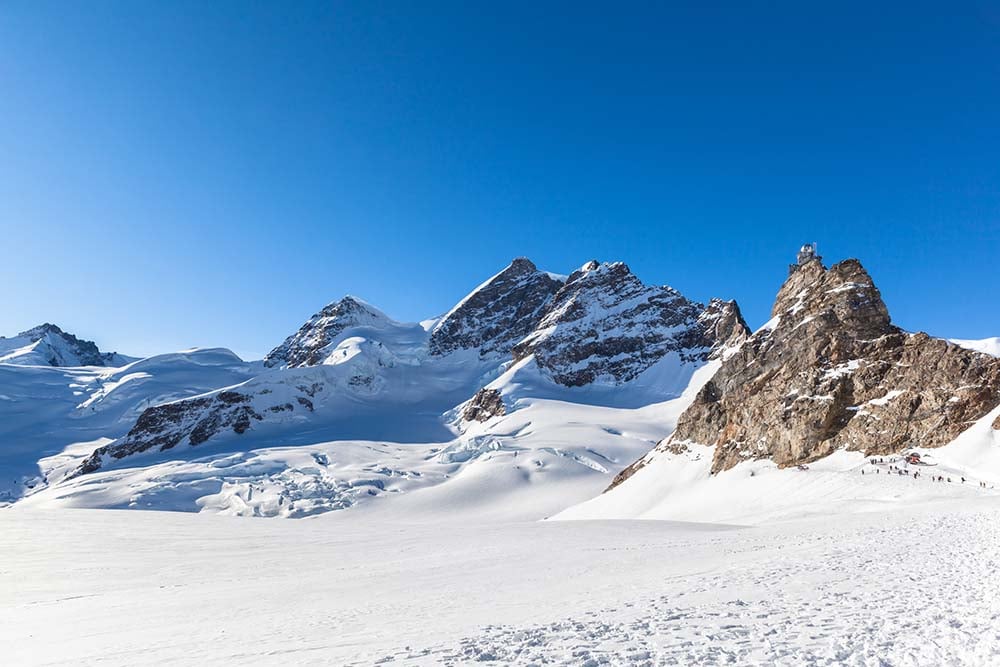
59	414
544	454
986	345
913	587
679	486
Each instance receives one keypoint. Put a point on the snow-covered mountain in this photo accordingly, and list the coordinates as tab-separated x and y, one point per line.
529	396
599	348
314	343
48	345
602	327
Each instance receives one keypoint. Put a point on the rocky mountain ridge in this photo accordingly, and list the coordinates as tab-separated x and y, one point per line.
830	371
602	325
605	325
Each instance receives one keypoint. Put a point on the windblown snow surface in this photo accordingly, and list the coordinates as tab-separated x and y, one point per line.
914	586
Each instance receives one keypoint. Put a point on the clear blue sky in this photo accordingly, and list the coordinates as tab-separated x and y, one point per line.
210	173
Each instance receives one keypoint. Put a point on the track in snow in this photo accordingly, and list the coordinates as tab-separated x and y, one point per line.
827	603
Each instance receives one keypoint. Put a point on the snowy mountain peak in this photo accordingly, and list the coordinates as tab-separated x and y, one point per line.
36	333
313	342
497	314
48	345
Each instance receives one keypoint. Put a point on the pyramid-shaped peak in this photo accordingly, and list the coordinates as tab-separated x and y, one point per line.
50	345
349	308
521	265
306	347
498	313
36	333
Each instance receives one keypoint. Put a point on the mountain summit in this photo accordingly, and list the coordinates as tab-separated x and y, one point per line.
498	313
830	371
312	344
48	345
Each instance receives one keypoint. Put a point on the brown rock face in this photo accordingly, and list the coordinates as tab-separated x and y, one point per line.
485	404
830	371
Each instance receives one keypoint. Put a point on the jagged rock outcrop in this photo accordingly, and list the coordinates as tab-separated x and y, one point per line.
723	327
47	344
830	371
164	426
498	314
194	421
604	325
313	342
486	404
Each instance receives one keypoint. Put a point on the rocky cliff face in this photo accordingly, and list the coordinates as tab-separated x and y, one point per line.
830	371
604	325
498	314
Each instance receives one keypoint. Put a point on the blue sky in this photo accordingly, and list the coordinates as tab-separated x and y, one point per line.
178	174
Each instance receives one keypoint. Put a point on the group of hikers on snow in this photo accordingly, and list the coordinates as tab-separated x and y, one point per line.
912	458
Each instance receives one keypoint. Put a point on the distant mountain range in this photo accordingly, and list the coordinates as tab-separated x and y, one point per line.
527	396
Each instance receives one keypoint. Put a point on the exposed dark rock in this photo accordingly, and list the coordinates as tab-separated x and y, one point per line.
486	404
163	427
498	314
605	325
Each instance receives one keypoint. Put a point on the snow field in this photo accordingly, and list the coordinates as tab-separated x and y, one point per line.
915	586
